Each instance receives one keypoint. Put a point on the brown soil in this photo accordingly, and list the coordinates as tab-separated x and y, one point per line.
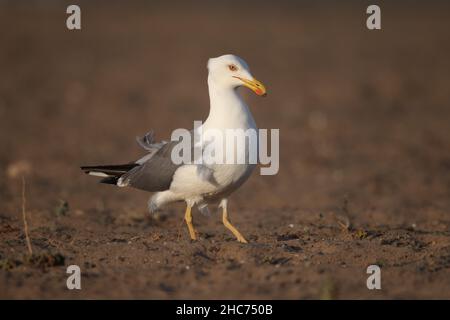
365	150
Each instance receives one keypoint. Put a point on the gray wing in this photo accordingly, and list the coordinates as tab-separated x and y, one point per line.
156	170
155	174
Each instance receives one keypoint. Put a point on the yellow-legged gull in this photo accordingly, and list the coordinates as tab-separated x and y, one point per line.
195	184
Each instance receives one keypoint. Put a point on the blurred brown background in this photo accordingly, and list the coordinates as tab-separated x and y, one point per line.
364	127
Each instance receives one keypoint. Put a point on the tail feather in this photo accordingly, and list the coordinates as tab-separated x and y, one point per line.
110	173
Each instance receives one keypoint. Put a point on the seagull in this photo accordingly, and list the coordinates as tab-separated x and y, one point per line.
196	184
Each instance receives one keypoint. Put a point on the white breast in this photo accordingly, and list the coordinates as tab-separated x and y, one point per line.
225	178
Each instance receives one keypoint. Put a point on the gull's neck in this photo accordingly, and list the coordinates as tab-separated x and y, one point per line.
227	108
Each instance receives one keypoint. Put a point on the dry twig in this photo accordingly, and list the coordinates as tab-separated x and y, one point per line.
24	217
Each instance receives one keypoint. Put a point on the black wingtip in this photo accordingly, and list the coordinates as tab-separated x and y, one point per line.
109	180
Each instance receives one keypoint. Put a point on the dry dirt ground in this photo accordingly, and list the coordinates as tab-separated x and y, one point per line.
364	150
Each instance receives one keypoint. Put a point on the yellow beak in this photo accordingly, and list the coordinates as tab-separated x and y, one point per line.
254	85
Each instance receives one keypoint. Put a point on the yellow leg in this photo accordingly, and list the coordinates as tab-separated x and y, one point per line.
188	218
230	227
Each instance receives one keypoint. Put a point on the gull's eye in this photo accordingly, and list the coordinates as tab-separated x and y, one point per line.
232	67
